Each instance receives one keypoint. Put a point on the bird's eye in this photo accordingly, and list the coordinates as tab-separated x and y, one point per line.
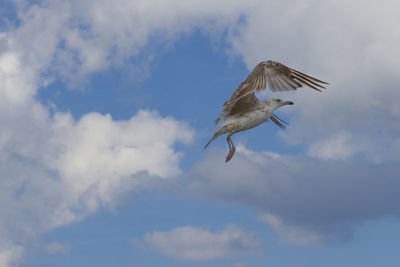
279	100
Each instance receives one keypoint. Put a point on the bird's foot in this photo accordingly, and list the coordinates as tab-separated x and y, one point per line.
230	154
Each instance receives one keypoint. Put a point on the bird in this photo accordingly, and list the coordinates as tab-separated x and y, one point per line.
243	110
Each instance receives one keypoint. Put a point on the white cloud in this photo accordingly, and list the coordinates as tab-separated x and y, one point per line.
304	199
292	234
337	41
10	255
197	244
78	37
337	147
56	170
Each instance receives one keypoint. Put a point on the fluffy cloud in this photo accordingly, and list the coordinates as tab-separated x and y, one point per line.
197	244
305	200
81	37
62	170
56	169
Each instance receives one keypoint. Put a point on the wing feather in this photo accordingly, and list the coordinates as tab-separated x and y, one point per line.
244	104
298	76
287	83
264	84
308	76
307	82
274	75
270	71
282	87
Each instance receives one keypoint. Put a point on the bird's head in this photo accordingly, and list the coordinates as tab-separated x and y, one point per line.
276	103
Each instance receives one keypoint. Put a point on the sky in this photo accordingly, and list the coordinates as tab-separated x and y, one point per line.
105	108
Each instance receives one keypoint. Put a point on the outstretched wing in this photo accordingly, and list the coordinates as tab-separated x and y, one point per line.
277	76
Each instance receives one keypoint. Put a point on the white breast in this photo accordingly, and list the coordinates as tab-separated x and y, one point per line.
241	122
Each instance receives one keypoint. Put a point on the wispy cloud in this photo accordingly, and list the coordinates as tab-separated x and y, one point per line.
197	244
340	146
292	234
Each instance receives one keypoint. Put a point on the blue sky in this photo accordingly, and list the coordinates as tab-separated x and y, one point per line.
105	109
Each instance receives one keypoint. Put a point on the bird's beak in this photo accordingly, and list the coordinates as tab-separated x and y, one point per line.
288	103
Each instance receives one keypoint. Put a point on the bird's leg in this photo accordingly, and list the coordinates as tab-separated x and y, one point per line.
232	148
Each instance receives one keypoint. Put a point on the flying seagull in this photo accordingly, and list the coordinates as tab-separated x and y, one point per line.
244	110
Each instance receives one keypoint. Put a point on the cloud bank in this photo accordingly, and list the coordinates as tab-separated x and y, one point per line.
305	200
66	169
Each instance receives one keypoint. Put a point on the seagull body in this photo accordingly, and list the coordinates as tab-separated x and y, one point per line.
246	120
244	110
